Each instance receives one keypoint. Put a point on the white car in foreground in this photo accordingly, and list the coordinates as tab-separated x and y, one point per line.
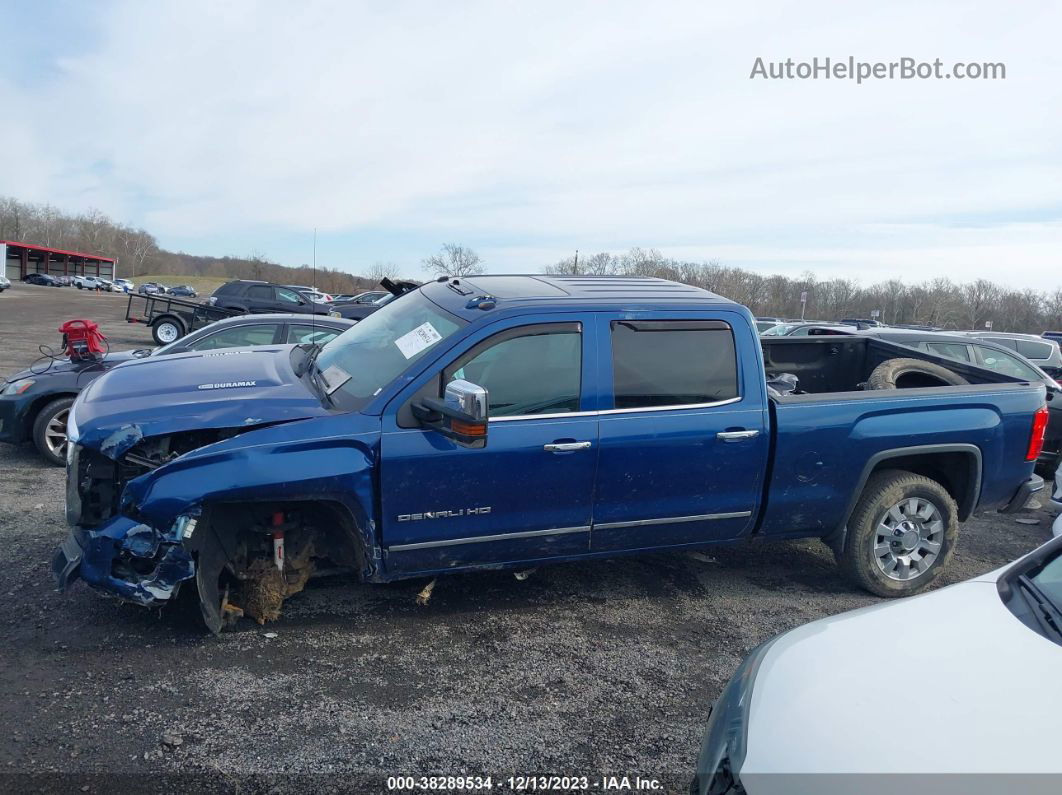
955	691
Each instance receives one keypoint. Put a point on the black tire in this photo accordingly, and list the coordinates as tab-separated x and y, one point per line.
80	286
45	438
167	329
911	374
869	548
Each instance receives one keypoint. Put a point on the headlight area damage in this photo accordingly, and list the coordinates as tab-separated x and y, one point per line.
245	557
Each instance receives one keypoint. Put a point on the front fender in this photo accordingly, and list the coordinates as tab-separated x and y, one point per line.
266	466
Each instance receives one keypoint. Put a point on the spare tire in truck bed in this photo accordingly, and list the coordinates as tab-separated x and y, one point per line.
911	374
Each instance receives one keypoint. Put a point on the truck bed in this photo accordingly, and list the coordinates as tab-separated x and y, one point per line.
843	363
827	440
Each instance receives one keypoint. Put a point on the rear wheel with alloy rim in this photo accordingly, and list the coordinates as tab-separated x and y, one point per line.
49	430
900	535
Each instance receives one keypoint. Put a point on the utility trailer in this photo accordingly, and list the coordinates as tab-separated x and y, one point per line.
170	318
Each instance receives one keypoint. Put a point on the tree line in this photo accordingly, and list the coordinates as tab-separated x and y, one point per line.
138	253
937	302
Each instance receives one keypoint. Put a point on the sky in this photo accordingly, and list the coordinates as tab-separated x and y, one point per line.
529	130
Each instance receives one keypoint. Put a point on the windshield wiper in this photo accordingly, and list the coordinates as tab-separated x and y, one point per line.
1047	615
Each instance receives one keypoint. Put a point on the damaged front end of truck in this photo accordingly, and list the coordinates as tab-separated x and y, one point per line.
237	513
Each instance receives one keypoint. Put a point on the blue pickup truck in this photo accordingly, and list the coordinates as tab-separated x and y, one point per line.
511	421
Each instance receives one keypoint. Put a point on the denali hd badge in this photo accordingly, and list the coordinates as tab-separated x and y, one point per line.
227	385
414	517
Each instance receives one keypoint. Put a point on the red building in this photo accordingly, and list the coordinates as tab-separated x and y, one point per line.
22	258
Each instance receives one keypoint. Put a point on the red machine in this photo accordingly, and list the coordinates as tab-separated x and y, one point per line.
82	340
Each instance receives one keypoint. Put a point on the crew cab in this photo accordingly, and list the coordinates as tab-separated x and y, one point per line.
512	421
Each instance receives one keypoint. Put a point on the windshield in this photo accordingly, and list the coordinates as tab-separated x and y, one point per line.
1049	580
361	361
1033	591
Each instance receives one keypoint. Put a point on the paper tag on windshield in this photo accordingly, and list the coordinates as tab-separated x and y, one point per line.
419	339
334	377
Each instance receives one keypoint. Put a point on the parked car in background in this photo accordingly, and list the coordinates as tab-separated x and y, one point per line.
359	311
35	402
367	297
183	290
808	328
1053	335
151	288
314	294
1044	353
108	286
861	321
638	405
245	295
126	285
64	281
4	283
764	323
41	280
88	282
993	356
965	678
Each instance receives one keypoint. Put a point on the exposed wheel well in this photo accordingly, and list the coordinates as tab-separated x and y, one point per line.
957	471
328	520
261	553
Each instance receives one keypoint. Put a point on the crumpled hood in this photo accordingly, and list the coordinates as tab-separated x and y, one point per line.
231	388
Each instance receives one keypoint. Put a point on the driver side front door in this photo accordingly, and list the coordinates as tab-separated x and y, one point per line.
526	495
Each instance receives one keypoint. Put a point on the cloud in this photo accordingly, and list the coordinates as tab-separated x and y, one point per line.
525	129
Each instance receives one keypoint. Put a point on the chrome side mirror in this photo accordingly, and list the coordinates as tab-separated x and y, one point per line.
462	414
469	398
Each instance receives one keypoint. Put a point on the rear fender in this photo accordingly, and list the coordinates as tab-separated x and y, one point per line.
937	461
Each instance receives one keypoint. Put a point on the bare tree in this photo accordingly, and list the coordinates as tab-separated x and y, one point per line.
382	270
454	260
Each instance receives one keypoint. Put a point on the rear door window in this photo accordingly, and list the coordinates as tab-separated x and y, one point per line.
950	350
1034	350
237	337
260	292
659	363
301	334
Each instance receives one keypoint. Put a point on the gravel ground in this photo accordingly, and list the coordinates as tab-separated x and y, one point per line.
597	668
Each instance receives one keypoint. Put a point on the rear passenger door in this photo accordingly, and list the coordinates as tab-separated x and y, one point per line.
260	299
684	445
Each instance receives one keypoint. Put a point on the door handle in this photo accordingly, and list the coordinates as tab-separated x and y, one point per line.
736	436
565	447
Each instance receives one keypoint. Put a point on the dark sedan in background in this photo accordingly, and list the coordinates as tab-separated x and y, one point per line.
41	280
35	403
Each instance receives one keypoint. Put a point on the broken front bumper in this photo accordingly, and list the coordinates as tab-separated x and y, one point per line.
126	559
